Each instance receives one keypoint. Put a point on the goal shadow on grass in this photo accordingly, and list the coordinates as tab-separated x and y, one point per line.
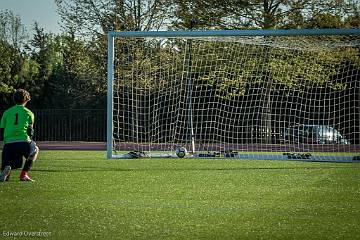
100	169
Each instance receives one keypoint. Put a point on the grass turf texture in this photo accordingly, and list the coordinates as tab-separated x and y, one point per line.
80	195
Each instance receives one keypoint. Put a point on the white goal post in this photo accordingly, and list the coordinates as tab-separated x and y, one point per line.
262	94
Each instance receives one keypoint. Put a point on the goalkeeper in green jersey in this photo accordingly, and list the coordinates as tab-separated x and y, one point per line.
16	129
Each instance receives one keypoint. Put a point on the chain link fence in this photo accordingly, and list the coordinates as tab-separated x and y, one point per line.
69	124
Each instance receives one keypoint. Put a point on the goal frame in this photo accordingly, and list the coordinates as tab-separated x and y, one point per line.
194	34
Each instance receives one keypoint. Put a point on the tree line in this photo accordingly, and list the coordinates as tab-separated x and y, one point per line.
68	70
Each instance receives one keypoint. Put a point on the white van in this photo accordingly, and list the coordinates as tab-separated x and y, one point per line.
314	134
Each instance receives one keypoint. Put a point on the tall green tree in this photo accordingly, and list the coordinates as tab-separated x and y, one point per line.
8	56
231	13
263	14
206	14
75	81
321	14
12	30
17	70
44	49
14	64
94	17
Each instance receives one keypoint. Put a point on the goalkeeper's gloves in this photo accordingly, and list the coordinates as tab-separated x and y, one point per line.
30	131
1	134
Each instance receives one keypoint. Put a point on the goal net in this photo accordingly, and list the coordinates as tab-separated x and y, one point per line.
263	94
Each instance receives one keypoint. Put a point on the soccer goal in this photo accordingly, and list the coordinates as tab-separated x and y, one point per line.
263	94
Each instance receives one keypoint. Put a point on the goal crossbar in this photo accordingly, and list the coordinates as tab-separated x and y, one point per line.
230	33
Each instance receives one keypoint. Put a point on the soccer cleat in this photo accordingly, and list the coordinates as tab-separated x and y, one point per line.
8	177
5	173
25	177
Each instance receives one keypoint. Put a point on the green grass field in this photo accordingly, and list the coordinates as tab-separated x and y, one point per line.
81	195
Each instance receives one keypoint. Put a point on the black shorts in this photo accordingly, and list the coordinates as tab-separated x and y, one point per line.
14	153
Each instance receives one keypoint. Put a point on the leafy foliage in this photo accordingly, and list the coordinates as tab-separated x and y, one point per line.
72	66
11	29
7	55
97	17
